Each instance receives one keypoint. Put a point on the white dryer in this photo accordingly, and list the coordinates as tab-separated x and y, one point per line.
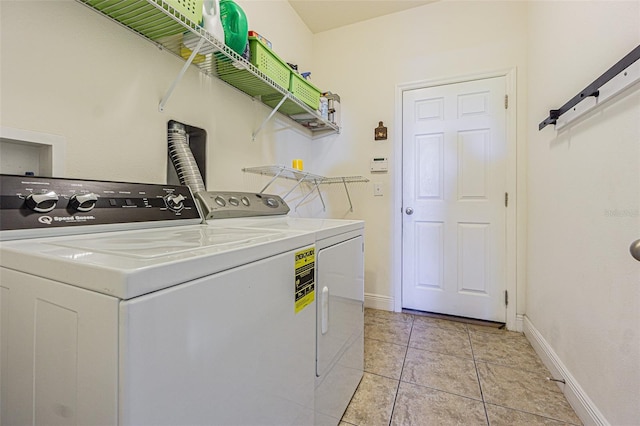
339	298
180	323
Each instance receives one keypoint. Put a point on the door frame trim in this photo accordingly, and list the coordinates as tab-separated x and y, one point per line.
512	174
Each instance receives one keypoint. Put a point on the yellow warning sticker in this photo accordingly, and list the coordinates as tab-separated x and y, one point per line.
305	278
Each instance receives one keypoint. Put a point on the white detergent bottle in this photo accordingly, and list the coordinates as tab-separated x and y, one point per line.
211	17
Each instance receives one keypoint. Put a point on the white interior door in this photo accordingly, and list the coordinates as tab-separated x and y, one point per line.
454	186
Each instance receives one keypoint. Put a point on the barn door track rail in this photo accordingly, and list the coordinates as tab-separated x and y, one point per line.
624	74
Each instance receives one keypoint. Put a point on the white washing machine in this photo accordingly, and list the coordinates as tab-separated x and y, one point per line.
169	323
339	301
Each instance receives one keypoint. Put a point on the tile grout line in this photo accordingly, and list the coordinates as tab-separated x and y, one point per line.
545	416
521	410
473	334
475	365
404	360
441	352
510	366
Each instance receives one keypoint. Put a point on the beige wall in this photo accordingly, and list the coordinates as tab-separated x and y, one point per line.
66	70
366	62
583	287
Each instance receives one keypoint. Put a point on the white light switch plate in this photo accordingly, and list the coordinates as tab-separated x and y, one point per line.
377	189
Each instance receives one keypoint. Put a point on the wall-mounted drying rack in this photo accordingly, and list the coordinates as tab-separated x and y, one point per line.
282	172
168	28
624	74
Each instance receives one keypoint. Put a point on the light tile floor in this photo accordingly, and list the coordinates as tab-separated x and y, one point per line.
427	371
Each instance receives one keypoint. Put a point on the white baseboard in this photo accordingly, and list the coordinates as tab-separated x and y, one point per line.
376	301
577	397
519	323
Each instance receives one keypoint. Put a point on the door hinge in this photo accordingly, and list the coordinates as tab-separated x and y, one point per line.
506	199
506	298
506	101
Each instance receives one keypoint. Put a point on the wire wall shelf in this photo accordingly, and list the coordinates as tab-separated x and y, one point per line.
302	177
160	22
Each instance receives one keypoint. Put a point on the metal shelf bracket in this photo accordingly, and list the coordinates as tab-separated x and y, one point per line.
344	182
271	114
178	78
316	186
295	186
271	181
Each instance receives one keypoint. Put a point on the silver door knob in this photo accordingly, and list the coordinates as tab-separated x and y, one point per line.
409	211
635	250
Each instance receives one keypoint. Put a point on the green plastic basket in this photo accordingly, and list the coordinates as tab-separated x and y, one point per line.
305	91
265	61
147	19
239	78
269	63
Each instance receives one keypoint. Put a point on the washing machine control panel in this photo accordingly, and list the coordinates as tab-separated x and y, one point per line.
30	202
221	205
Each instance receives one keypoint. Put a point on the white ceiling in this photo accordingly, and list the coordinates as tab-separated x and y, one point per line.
323	15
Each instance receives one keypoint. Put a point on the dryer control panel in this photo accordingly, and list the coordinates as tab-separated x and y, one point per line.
221	205
40	203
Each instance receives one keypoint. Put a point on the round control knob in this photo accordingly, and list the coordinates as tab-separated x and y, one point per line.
635	250
271	202
245	201
174	202
234	201
83	202
220	201
42	203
